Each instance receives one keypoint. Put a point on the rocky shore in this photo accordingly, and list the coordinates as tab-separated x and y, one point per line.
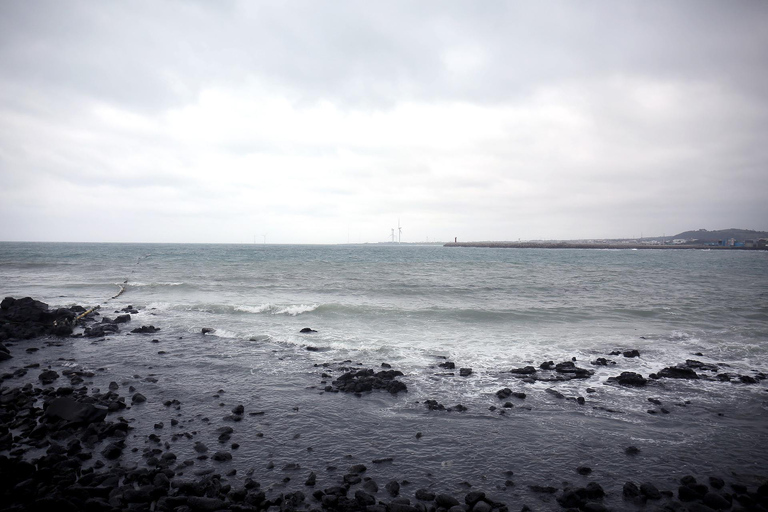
66	443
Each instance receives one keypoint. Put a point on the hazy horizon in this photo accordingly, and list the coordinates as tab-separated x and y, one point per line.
330	123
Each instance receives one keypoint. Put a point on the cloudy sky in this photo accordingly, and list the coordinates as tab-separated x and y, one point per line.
326	122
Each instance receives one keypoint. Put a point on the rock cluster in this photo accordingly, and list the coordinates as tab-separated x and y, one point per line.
367	380
27	318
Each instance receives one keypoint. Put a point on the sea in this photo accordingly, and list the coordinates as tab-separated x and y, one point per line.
414	307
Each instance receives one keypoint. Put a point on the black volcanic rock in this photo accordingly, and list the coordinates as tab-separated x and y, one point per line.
70	410
366	380
677	372
146	329
629	379
28	318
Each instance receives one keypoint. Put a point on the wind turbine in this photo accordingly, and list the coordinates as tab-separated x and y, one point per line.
393	235
399	231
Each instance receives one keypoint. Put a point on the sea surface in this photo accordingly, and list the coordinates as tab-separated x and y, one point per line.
415	307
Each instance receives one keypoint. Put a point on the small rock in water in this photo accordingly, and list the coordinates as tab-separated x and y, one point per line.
307	330
208	330
632	450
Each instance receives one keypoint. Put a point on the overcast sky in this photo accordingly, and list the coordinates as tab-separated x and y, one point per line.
326	122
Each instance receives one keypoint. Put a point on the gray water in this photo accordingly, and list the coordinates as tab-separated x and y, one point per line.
413	306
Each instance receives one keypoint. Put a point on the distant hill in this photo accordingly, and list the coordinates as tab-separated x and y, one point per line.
722	234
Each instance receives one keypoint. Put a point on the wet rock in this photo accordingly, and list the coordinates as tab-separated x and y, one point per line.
528	370
207	330
138	398
424	495
677	372
594	491
70	410
688	493
555	393
716	483
448	365
306	330
366	380
393	488
122	319
203	504
601	361
630	379
222	456
48	376
465	372
650	491
716	501
504	393
311	479
146	329
584	470
630	490
632	450
112	451
434	405
573	371
364	499
446	501
370	486
473	497
631	353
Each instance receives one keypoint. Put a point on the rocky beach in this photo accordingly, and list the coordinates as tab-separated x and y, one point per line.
79	436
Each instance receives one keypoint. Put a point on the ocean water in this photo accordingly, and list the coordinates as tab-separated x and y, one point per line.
416	306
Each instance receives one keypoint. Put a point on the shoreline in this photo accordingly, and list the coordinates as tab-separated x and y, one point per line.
143	462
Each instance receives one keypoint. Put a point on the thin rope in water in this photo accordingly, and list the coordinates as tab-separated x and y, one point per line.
122	290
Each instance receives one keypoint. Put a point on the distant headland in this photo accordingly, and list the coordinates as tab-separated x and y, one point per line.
739	239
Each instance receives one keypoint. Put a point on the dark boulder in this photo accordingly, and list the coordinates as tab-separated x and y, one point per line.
446	501
528	370
122	319
307	330
631	353
366	380
48	376
67	409
629	379
424	495
146	329
677	372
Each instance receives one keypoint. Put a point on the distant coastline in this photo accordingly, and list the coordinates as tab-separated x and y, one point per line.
597	245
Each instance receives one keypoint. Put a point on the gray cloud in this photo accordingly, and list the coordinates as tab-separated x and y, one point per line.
501	119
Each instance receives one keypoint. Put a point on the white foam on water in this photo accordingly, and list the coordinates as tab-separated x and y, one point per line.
295	309
262	308
141	284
